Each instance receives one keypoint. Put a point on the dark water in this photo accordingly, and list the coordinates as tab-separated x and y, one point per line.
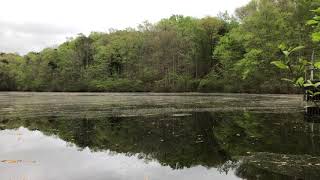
156	136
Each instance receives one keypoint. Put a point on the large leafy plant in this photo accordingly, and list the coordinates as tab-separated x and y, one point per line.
292	66
295	68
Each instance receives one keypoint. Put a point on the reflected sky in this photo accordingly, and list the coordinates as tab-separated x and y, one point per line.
57	159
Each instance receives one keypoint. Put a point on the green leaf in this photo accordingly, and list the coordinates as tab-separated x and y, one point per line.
297	49
282	47
280	64
316	36
312	22
310	92
316	10
317	65
307	85
317	18
304	62
288	80
286	53
315	94
316	84
300	81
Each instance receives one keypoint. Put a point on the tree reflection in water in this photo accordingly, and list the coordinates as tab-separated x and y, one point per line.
209	139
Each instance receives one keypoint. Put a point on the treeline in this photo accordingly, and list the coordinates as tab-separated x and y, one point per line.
177	54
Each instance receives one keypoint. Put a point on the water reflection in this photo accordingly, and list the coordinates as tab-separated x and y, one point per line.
57	159
139	136
174	141
200	145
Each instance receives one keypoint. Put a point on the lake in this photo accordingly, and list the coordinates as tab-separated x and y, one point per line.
156	136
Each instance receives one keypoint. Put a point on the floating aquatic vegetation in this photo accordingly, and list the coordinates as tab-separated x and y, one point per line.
21	105
290	165
181	115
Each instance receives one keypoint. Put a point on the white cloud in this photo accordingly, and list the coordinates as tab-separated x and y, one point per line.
24	37
35	24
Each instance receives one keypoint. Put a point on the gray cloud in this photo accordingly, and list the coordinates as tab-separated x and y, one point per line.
24	37
53	21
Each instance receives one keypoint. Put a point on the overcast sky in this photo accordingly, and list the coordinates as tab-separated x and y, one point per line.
31	25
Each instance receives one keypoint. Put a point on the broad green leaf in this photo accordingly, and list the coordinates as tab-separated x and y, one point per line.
282	47
286	53
316	10
280	64
297	49
315	94
317	18
317	65
300	81
312	22
316	84
308	85
316	37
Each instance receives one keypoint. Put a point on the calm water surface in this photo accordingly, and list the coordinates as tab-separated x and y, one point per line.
148	136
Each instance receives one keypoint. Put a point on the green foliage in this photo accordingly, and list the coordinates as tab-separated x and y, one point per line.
280	64
294	68
315	23
248	64
316	37
211	85
118	85
179	53
317	65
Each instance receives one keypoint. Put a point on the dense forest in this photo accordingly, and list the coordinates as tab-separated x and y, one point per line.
227	53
